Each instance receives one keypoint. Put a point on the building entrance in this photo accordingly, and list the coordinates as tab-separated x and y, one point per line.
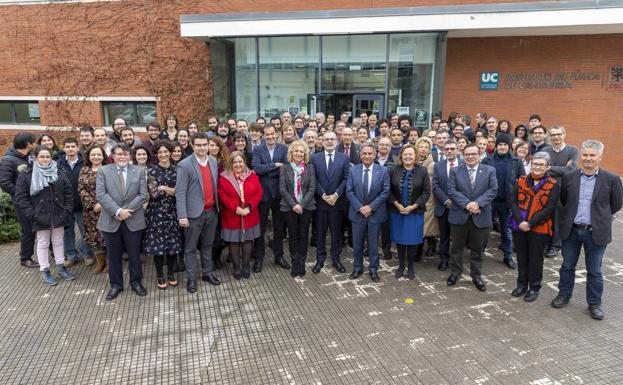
354	104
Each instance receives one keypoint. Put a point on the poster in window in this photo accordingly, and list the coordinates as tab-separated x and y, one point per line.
421	118
33	110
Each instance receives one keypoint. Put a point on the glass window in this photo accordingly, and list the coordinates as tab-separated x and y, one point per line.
245	75
354	62
20	112
222	55
134	114
411	63
288	73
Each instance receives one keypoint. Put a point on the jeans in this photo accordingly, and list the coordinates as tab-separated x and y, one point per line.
506	236
70	238
593	255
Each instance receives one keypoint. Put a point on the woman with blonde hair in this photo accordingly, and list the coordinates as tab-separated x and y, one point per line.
297	184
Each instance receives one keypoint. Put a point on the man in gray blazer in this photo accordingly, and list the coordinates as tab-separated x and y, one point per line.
121	190
472	187
197	210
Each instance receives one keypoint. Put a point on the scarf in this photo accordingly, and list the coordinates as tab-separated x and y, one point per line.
240	179
532	197
298	175
42	177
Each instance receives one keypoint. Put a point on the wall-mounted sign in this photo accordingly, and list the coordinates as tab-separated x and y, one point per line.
421	118
402	110
489	80
547	80
615	78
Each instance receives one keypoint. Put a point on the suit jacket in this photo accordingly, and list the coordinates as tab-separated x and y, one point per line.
420	187
189	187
440	185
461	192
436	155
265	168
331	181
607	200
377	196
308	188
111	198
354	152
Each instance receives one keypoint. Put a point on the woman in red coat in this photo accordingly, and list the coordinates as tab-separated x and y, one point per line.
239	193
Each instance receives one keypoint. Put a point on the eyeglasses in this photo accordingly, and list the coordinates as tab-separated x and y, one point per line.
466	155
539	165
555	135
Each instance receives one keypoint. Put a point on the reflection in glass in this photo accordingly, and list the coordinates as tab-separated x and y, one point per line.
245	78
5	112
354	62
288	73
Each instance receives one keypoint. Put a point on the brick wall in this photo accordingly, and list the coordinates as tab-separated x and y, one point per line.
587	110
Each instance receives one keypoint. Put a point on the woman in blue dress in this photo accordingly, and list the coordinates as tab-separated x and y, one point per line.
410	189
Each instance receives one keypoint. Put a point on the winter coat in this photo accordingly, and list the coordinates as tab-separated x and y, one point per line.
11	164
229	199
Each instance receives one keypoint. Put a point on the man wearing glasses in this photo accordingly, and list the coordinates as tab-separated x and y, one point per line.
538	143
472	187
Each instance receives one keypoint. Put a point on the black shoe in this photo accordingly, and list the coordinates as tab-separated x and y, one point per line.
218	264
518	292
430	251
211	279
281	262
411	274
387	256
317	267
113	293
237	276
355	274
551	252
561	300
443	266
246	270
28	263
531	296
339	267
510	263
452	279
191	286
479	283
257	266
399	272
596	312
139	290
374	277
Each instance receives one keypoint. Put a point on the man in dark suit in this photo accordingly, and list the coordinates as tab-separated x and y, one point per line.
268	158
197	210
472	187
443	202
589	197
367	190
121	189
348	148
331	174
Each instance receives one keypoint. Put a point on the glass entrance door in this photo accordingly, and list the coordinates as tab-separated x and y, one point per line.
370	104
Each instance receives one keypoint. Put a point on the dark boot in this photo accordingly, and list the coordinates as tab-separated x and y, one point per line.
401	266
237	264
419	252
246	266
432	246
410	267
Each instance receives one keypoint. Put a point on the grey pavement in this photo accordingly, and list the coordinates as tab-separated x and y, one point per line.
321	329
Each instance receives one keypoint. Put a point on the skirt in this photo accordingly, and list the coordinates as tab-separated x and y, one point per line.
237	235
406	229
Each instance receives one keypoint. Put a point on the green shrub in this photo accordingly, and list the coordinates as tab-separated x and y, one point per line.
9	227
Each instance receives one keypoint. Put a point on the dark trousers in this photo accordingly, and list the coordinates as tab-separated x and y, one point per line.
555	241
26	236
116	243
363	231
200	234
259	248
444	237
468	235
332	220
298	235
530	247
386	242
503	212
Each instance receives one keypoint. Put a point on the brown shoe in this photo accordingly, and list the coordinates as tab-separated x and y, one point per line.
172	280
70	262
100	256
89	261
161	283
29	263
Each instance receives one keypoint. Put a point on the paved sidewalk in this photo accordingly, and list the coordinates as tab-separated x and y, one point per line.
323	329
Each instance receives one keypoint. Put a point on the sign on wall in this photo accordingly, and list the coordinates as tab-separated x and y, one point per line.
489	80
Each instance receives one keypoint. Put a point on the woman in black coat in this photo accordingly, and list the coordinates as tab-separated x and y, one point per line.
297	184
410	188
44	194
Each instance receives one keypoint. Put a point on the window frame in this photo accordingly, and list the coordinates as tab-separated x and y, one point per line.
108	120
13	103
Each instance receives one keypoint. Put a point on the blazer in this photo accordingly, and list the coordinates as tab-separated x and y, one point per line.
440	185
420	187
308	187
189	187
377	196
265	168
331	181
354	152
109	195
607	200
461	192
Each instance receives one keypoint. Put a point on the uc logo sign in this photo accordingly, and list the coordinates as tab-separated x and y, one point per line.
489	80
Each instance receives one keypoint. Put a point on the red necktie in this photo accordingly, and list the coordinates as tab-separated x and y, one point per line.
347	151
451	167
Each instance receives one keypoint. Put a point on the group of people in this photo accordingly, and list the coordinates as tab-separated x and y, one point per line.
183	194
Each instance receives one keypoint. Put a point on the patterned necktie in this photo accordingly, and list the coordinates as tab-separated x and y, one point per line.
472	176
347	151
121	180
